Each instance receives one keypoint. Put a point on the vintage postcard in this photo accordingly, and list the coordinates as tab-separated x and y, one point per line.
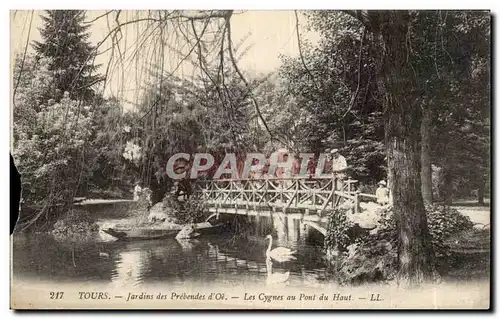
232	159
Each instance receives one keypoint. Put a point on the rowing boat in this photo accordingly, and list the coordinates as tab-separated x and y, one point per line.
155	232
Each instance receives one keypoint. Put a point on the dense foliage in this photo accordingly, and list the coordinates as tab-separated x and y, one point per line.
335	86
75	226
49	152
67	140
372	256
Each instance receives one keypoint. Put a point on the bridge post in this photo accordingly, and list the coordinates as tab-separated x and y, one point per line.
297	188
233	189
314	198
282	189
356	203
350	184
254	197
334	186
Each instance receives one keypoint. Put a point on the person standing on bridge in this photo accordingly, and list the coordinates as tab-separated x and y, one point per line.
338	166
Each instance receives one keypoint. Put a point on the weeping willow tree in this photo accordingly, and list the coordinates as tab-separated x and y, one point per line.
208	111
176	43
195	52
55	162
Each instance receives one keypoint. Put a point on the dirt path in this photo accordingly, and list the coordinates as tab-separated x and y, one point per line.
477	214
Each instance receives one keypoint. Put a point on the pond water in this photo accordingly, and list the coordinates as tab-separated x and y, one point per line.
215	259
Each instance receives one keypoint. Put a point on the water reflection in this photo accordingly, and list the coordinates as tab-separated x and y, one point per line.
275	278
207	259
188	245
293	229
129	268
280	227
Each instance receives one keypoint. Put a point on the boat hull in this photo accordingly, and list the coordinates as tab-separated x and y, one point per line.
140	234
146	233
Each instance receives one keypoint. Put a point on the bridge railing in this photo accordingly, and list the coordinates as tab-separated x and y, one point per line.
277	194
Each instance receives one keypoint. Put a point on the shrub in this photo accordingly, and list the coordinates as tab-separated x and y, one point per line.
192	211
373	257
366	261
443	222
76	225
187	211
337	236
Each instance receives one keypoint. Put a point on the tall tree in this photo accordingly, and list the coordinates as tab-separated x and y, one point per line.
399	83
409	73
65	43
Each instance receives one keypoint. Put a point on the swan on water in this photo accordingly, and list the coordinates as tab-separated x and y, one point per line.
279	254
276	278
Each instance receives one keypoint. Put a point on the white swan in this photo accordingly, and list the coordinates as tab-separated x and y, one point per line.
275	278
279	254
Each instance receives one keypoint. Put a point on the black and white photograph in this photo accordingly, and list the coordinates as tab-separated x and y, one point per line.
251	159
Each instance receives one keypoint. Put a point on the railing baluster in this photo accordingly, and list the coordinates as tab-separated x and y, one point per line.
334	199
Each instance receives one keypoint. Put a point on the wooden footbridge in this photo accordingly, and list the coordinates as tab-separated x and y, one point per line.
307	199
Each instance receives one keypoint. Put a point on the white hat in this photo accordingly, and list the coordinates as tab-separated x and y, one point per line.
382	183
335	150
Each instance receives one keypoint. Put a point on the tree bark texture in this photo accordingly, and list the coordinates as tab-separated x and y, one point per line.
403	117
426	170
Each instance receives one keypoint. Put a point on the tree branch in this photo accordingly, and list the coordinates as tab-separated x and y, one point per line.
98	17
22	62
242	77
301	55
355	95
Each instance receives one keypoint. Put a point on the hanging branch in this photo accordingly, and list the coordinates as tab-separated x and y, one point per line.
111	34
355	95
217	83
202	65
242	77
22	62
302	55
198	39
98	17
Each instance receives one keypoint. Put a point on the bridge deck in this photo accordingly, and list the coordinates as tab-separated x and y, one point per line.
306	199
268	213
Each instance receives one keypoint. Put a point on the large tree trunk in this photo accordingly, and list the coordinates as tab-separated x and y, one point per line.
426	171
402	112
